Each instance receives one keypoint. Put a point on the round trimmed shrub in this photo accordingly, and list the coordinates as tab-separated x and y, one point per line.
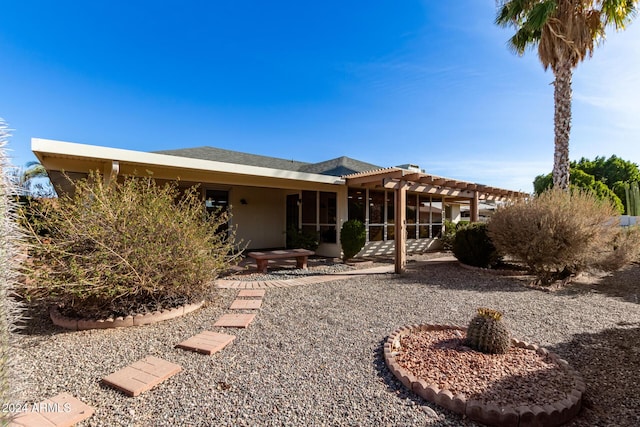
473	246
353	236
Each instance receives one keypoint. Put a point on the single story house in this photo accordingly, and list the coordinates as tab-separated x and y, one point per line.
267	196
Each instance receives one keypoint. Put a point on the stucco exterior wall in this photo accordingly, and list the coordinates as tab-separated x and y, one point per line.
260	222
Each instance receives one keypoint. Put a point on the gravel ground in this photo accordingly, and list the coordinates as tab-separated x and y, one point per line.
313	355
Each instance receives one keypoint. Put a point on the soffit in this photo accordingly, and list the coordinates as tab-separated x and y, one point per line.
73	157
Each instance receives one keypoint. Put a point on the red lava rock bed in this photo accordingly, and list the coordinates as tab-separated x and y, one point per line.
526	386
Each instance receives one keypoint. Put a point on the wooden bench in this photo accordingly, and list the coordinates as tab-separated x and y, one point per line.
262	258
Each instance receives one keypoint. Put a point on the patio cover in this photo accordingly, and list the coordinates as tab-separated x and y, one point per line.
403	180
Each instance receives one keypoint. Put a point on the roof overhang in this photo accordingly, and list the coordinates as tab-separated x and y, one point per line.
393	178
74	157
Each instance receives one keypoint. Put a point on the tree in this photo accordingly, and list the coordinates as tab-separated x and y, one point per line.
582	180
614	172
565	32
607	178
33	179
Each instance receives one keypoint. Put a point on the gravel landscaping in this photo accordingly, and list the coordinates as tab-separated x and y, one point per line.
313	354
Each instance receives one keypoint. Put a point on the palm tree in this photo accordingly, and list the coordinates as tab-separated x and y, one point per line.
565	32
29	174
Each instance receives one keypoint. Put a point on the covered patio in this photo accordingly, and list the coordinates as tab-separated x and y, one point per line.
403	181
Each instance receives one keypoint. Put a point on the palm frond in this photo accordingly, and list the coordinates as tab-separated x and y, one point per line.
34	170
541	13
618	12
513	12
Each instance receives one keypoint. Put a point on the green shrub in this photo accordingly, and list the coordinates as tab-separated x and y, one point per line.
473	246
297	239
125	246
449	234
558	234
353	236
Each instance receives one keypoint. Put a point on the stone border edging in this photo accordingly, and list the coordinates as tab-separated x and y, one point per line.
549	415
120	322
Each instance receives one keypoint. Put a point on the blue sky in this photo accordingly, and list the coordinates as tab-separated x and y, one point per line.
386	82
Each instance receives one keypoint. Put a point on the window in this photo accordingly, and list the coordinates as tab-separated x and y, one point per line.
216	202
429	217
376	215
357	207
328	215
424	214
412	215
319	215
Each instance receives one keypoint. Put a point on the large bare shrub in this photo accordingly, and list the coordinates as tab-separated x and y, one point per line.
558	234
124	246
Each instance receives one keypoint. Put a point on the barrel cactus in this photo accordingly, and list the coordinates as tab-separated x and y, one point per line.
488	333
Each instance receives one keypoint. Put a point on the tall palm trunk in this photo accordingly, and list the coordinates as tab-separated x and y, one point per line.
562	123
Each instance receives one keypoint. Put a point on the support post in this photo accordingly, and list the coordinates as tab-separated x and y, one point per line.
401	228
475	208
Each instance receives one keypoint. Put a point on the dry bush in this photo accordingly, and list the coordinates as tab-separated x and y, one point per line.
558	234
124	246
623	250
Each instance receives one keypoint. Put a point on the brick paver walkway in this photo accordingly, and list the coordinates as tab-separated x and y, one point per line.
63	410
141	375
207	342
302	280
151	371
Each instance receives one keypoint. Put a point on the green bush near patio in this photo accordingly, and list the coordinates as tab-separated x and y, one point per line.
559	234
353	236
125	246
302	239
472	246
449	234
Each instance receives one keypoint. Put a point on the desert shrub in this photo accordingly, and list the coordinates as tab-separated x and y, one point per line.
302	239
622	250
449	234
32	211
353	236
556	234
473	246
127	245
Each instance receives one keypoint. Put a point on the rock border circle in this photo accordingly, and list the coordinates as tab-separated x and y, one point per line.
549	415
120	322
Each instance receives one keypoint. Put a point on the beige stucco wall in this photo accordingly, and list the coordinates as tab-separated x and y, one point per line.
261	222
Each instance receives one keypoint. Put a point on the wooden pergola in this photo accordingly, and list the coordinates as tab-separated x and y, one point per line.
403	181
